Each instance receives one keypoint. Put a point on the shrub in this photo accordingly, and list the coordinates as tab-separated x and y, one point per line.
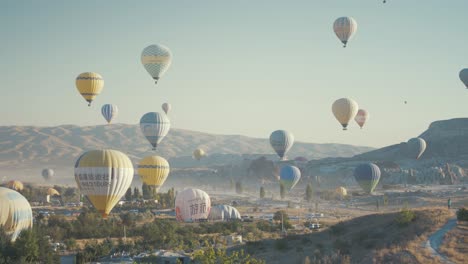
462	214
405	217
281	244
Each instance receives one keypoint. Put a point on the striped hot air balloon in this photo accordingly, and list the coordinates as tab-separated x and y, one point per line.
15	212
109	111
367	176
345	28
154	127
281	141
90	85
345	110
156	59
192	205
103	176
153	171
289	176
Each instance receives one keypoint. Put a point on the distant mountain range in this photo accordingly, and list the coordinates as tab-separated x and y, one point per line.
30	148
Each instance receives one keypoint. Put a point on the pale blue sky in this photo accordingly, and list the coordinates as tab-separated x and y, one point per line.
239	67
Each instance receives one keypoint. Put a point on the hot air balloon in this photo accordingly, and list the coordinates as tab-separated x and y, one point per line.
345	28
155	127
47	173
198	154
415	148
15	185
290	176
344	110
367	176
90	85
281	141
156	59
15	213
464	77
109	111
192	205
166	107
52	192
153	171
103	176
341	191
361	117
224	213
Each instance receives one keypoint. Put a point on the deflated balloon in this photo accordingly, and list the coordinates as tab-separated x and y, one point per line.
361	117
281	141
153	171
52	192
345	28
103	176
224	213
367	176
166	107
198	154
15	213
341	191
156	59
109	112
15	185
47	173
155	127
345	110
90	85
290	176
192	205
415	147
464	77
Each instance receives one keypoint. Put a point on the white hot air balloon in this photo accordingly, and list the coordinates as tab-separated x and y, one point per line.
361	117
109	111
156	59
166	107
281	141
345	110
192	205
345	28
224	213
15	212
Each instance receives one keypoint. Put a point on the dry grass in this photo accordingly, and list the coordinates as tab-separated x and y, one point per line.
455	245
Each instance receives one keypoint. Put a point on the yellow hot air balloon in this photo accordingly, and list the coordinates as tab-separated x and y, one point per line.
104	176
344	110
90	85
15	185
198	154
153	171
341	191
52	192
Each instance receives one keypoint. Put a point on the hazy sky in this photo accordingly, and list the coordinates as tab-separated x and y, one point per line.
239	67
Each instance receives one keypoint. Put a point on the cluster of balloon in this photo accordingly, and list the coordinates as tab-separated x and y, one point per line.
153	171
345	28
103	176
15	213
198	154
367	176
289	176
281	141
155	127
192	205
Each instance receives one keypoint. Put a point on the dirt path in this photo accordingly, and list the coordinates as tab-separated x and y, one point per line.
434	241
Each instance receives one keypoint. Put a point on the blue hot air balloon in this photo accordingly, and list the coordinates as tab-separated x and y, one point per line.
154	127
281	141
109	112
290	176
367	176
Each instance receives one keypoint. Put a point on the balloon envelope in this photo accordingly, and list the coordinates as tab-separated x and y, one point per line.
290	176
52	192
90	85
361	117
15	185
109	112
367	176
345	28
344	110
341	191
464	77
281	141
104	176
47	173
166	107
192	205
154	127
156	59
153	171
224	213
415	148
198	154
15	212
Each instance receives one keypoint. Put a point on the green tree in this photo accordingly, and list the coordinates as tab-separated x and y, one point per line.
211	255
128	194
262	192
231	184
136	193
282	191
239	188
282	215
146	190
27	246
308	193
